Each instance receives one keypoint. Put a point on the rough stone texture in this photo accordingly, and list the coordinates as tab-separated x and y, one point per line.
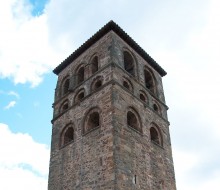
112	155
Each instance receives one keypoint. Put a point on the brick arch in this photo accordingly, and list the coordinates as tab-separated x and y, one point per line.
156	134
92	120
66	135
133	119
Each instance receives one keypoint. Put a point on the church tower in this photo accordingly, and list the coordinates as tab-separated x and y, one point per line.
110	128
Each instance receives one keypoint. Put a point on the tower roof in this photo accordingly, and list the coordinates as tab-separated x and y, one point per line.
104	30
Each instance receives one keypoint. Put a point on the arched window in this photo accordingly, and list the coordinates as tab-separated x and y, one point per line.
129	63
156	108
96	84
149	81
66	86
64	106
127	84
67	136
94	64
92	120
79	96
142	97
133	120
155	135
80	75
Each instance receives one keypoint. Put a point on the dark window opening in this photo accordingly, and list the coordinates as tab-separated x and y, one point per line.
93	121
154	135
142	97
126	85
132	120
65	106
155	107
68	136
66	86
128	63
81	75
98	84
80	96
149	83
94	64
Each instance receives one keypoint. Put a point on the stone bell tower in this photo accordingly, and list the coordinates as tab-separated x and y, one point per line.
110	127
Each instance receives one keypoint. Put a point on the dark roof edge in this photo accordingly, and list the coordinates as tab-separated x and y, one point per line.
105	29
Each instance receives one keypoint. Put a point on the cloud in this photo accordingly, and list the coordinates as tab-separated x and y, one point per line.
23	162
10	105
25	53
12	93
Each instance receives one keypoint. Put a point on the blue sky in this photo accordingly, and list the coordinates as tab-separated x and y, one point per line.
182	36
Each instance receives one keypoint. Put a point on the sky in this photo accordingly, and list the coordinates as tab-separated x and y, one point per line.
182	36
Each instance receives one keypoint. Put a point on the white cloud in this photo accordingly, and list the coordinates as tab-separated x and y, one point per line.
10	105
23	162
25	53
12	93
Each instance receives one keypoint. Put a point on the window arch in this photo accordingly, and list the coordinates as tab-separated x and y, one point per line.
156	108
155	135
97	83
129	63
67	136
127	84
65	86
64	106
92	120
80	75
94	64
133	120
143	96
79	96
149	80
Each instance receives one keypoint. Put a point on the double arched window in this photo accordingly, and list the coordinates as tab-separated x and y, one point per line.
92	120
129	63
67	136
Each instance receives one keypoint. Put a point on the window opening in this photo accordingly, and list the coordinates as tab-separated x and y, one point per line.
66	86
93	121
142	97
149	80
156	108
98	84
81	75
126	85
154	135
132	120
128	63
65	106
94	64
68	136
80	96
